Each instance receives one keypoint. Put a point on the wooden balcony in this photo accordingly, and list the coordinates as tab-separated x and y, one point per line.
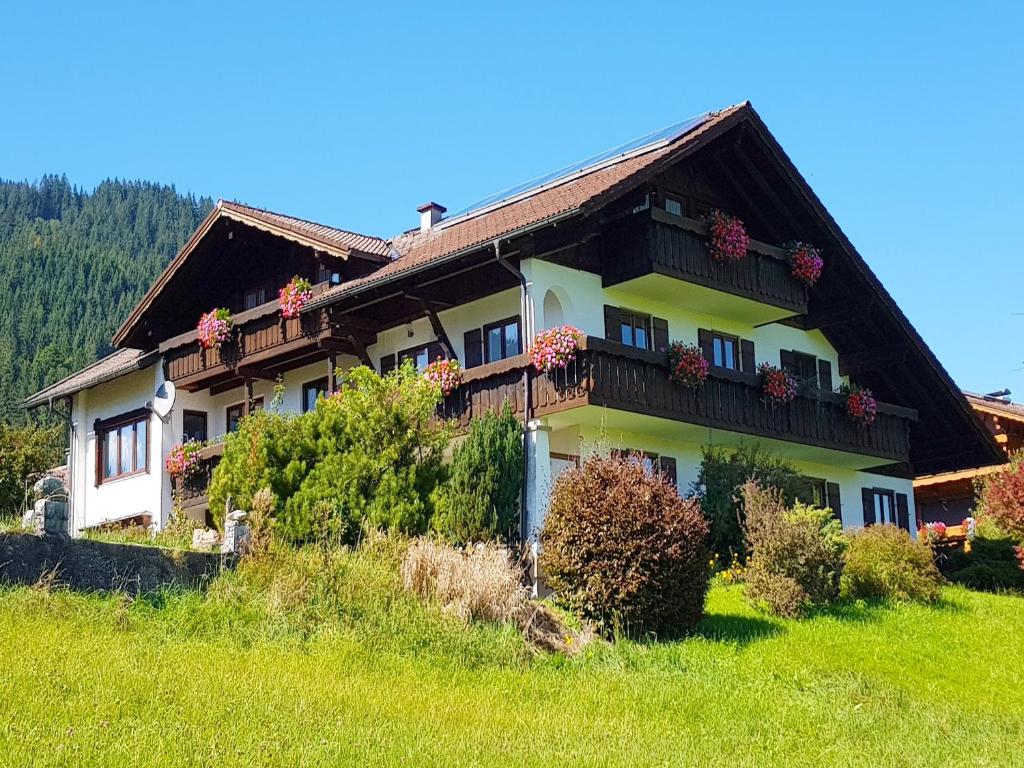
656	242
262	344
191	492
613	376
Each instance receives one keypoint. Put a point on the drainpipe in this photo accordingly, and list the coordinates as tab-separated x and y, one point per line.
527	326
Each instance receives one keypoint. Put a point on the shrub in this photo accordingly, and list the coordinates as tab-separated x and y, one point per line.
883	562
370	454
621	548
24	452
990	565
796	555
480	499
1002	497
723	473
479	582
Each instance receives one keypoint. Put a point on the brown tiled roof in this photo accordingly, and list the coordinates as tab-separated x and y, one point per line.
327	236
117	364
563	197
1013	410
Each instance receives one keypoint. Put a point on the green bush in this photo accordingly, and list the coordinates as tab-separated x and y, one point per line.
990	565
796	555
480	499
369	455
1001	496
25	451
722	475
883	562
621	548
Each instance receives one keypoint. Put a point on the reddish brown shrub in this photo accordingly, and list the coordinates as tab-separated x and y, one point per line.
622	549
1002	497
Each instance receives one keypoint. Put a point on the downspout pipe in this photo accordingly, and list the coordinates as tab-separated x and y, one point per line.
524	314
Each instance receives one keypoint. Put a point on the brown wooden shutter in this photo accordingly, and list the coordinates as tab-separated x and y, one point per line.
903	512
868	498
473	346
660	334
825	375
833	501
99	436
706	345
434	351
786	359
667	467
747	364
612	323
387	364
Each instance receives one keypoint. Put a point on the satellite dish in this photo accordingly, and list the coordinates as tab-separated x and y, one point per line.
163	401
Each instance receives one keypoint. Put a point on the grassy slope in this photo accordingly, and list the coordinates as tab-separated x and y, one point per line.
229	680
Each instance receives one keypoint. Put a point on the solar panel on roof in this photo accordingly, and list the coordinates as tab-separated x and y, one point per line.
649	140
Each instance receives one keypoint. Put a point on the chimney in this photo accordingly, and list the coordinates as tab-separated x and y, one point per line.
430	214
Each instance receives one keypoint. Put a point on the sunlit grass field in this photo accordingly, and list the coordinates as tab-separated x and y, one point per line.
342	668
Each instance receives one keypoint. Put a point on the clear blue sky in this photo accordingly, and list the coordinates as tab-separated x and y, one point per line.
907	121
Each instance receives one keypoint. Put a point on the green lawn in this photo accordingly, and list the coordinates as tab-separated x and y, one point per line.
185	680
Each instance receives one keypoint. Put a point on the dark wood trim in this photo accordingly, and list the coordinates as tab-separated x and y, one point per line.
501	324
206	421
104	427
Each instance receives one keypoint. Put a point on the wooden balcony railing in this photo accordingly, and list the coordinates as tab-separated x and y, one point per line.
613	376
191	491
656	242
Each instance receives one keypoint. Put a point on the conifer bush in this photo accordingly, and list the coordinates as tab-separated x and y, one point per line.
480	499
621	548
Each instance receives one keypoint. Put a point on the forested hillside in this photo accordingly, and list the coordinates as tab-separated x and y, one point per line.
74	263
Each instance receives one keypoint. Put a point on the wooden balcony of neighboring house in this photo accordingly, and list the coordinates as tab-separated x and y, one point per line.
613	376
263	344
654	242
191	492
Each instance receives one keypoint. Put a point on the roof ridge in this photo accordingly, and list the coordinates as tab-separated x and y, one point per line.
234	203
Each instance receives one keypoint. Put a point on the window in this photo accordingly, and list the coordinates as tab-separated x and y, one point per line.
653	464
634	329
802	367
501	339
254	297
674	206
325	274
725	351
122	446
420	356
311	391
235	412
193	426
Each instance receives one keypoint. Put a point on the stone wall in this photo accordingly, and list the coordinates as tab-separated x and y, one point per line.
87	565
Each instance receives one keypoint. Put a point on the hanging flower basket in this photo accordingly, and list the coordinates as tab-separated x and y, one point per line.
445	373
805	262
861	405
555	348
687	364
214	328
727	238
295	296
777	385
183	460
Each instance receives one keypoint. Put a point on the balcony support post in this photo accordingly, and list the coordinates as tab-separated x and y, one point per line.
332	379
247	406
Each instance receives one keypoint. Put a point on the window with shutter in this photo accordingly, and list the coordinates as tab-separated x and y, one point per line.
834	502
501	339
747	364
825	375
903	512
473	348
704	342
660	326
611	323
868	499
387	364
667	468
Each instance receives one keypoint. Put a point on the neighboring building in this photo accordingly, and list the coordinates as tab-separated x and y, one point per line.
949	497
614	247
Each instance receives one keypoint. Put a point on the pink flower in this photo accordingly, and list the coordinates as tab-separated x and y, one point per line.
214	328
776	384
295	296
806	262
183	460
861	405
687	364
445	373
727	238
555	348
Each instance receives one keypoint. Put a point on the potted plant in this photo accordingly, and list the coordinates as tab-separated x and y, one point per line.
214	328
727	237
687	364
777	385
445	373
294	296
861	405
935	532
805	262
555	348
183	460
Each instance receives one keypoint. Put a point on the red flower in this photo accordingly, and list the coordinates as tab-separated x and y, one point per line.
727	238
861	405
687	364
777	385
806	262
